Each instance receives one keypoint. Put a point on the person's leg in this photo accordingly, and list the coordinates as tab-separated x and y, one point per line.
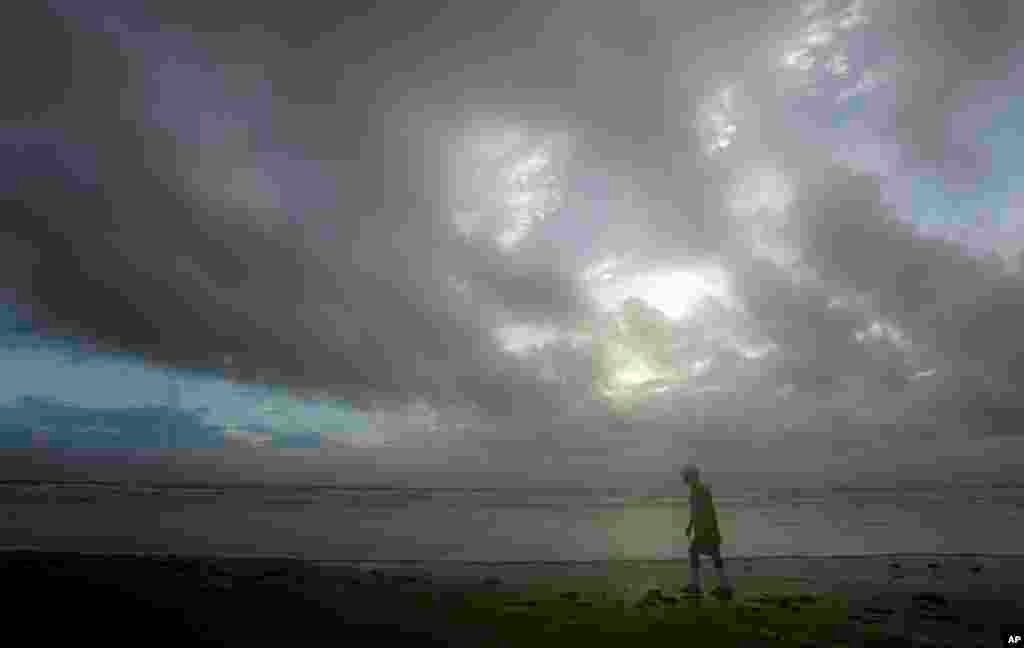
723	580
694	585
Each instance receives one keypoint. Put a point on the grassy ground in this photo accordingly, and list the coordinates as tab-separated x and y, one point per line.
238	602
543	615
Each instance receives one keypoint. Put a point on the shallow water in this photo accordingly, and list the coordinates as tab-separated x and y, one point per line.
353	524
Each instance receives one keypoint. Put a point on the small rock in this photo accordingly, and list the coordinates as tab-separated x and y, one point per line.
945	618
923	642
652	597
975	569
931	598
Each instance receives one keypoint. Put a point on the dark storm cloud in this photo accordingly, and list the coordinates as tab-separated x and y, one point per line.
538	291
134	260
817	343
337	275
114	245
962	309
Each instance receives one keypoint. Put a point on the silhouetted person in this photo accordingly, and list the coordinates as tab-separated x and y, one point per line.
706	537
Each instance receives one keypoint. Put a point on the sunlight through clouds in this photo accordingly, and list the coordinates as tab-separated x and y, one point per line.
507	180
822	40
521	338
661	327
717	122
675	292
759	200
625	213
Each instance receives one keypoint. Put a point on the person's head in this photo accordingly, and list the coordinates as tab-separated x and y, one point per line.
690	473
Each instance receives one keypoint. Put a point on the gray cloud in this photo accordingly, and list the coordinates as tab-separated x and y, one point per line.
184	251
962	310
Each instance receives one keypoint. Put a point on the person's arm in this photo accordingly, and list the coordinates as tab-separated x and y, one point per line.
693	513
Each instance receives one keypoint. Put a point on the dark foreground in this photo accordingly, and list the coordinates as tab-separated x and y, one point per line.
122	600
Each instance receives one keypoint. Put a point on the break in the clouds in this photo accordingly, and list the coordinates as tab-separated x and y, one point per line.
540	238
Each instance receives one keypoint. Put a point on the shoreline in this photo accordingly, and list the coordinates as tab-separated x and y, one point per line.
926	600
727	558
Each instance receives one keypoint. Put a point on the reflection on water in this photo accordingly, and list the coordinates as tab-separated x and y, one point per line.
354	524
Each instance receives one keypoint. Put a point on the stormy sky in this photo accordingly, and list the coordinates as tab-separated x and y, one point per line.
580	241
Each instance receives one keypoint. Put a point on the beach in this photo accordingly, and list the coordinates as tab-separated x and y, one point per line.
891	600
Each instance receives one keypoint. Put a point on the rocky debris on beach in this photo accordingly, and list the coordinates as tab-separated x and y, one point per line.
878	615
922	619
654	597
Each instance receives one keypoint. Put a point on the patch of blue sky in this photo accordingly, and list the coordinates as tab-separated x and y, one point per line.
274	408
48	372
67	370
934	203
33	421
848	110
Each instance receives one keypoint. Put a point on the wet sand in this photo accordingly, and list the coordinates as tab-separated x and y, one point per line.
897	600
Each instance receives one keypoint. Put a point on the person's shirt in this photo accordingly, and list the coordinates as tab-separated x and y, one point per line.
702	515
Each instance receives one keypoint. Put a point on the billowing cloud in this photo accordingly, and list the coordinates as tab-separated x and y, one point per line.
476	234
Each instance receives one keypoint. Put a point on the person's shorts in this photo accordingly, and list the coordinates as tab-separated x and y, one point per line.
708	549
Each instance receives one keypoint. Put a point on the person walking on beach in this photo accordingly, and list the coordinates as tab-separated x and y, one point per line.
706	537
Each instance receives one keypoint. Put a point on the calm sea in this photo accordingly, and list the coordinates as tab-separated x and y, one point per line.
499	525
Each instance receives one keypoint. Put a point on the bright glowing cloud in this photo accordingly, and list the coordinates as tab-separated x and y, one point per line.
879	330
759	201
811	8
838	65
820	40
853	16
761	188
676	292
818	33
522	338
506	180
717	122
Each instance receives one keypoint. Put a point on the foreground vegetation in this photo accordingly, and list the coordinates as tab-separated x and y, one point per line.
541	616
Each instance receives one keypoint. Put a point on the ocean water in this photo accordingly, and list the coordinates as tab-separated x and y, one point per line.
496	525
